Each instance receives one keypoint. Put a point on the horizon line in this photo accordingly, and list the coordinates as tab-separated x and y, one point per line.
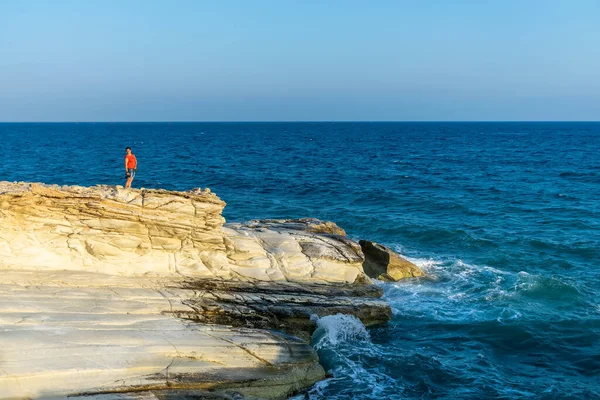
295	121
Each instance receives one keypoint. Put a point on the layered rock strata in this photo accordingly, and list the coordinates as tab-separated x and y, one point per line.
289	307
106	290
110	230
135	232
69	333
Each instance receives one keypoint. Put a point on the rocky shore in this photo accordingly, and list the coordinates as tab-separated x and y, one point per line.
150	294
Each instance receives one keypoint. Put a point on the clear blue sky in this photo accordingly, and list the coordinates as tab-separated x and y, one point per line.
246	60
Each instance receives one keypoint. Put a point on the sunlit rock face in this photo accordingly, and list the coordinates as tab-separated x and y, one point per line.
106	290
72	332
135	232
281	250
110	230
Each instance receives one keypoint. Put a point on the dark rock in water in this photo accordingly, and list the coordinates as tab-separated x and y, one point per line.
282	306
384	264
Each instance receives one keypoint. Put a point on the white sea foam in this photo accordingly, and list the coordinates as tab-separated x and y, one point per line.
508	314
343	344
525	281
459	288
339	328
429	265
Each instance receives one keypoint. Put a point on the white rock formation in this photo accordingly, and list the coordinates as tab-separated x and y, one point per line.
74	332
135	232
106	290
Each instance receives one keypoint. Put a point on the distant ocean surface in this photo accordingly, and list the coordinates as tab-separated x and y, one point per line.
505	217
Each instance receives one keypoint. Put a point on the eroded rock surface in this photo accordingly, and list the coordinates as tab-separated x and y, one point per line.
280	250
135	232
71	332
283	306
110	230
106	290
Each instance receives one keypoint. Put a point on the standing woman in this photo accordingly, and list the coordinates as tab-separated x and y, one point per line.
130	167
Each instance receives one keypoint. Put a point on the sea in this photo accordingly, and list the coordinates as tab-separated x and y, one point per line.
503	217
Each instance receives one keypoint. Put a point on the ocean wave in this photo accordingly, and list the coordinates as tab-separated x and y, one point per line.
450	238
460	292
545	288
581	176
583	249
346	351
566	196
340	328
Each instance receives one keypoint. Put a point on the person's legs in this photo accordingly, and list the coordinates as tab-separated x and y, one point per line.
130	176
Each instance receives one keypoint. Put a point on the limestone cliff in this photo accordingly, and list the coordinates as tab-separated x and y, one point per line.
135	232
106	290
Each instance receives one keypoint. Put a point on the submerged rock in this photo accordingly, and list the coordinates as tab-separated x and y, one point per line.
384	264
106	290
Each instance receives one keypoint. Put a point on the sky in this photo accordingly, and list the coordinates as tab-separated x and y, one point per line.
302	60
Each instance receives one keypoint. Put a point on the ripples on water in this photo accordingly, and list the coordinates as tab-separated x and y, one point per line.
504	217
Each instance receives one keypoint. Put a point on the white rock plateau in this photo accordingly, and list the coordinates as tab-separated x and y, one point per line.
105	290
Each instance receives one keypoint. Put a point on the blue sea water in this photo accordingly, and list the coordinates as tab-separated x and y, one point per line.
505	218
